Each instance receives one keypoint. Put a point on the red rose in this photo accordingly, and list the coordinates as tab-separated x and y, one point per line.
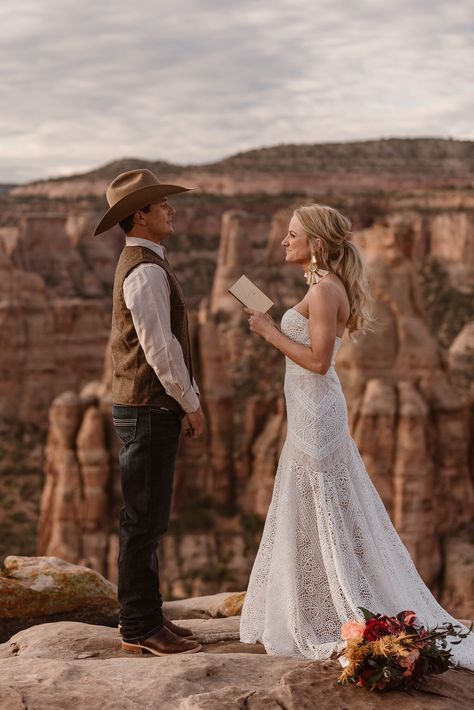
394	626
375	628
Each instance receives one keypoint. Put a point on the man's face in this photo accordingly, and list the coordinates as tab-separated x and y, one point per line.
159	220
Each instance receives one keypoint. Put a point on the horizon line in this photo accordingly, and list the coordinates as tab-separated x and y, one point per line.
204	164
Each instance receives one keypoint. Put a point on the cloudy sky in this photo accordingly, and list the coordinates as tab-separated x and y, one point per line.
189	81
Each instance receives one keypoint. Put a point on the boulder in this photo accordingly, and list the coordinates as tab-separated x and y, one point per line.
36	589
212	606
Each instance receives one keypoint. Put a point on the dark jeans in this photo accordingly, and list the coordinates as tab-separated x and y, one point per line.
150	440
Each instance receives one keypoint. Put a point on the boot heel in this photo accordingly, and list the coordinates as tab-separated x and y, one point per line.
132	648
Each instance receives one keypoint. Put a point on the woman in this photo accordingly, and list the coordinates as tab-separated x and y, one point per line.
328	546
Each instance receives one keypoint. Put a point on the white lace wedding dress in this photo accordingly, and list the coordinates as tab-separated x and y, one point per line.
328	545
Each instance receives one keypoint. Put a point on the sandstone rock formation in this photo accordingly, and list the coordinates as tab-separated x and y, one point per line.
409	422
405	384
226	604
458	552
461	362
385	165
397	386
36	589
76	495
54	310
57	665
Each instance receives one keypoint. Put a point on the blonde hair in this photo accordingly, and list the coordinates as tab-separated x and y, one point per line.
339	254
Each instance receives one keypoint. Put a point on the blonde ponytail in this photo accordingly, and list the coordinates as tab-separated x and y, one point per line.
338	253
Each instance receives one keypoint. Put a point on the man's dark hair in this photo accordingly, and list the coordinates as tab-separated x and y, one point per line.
127	223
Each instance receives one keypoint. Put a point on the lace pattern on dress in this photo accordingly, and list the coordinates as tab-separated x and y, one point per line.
328	545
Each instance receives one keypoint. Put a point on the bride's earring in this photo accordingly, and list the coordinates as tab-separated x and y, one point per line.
312	276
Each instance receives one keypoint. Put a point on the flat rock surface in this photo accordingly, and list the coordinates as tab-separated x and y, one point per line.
69	664
69	640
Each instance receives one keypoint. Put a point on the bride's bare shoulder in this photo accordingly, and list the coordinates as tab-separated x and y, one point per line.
323	297
326	288
329	287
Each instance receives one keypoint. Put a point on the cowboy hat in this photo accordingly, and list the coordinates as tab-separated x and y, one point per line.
131	191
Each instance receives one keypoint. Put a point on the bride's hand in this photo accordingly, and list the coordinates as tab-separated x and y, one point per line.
260	323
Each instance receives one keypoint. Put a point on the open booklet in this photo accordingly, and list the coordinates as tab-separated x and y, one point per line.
250	295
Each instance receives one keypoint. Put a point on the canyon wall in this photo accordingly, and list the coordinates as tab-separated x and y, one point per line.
408	417
408	385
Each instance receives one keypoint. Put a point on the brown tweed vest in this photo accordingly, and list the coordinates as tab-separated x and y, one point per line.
135	383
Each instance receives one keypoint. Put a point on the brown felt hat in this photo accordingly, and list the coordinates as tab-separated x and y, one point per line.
131	191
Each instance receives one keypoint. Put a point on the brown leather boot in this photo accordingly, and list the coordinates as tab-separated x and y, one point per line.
162	643
178	630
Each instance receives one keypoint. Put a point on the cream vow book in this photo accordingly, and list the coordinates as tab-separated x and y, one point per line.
250	295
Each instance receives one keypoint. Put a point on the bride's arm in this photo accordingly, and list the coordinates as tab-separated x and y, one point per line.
322	330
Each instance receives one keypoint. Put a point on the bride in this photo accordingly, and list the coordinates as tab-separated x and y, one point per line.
328	546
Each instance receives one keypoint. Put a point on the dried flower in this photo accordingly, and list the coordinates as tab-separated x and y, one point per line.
409	661
395	651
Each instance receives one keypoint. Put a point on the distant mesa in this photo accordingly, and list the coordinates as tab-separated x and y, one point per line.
6	187
411	161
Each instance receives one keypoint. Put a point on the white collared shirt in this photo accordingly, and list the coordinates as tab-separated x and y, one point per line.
146	292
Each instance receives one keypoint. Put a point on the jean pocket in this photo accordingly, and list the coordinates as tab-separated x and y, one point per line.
126	429
161	410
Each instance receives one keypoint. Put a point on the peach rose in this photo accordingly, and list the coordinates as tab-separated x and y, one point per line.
409	661
352	630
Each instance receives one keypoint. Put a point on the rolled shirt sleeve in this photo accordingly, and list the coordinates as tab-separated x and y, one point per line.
147	295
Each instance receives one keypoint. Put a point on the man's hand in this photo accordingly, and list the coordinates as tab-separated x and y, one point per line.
195	423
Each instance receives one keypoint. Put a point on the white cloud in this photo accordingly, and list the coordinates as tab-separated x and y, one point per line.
195	80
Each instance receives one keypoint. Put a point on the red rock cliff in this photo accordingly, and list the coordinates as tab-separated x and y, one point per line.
410	408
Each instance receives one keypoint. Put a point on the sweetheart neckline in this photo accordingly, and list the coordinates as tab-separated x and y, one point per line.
338	337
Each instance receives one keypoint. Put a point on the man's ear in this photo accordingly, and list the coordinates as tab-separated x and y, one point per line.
139	217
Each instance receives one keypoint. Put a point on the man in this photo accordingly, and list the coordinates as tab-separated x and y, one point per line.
153	389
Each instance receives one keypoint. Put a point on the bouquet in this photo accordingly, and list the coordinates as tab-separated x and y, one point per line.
395	651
